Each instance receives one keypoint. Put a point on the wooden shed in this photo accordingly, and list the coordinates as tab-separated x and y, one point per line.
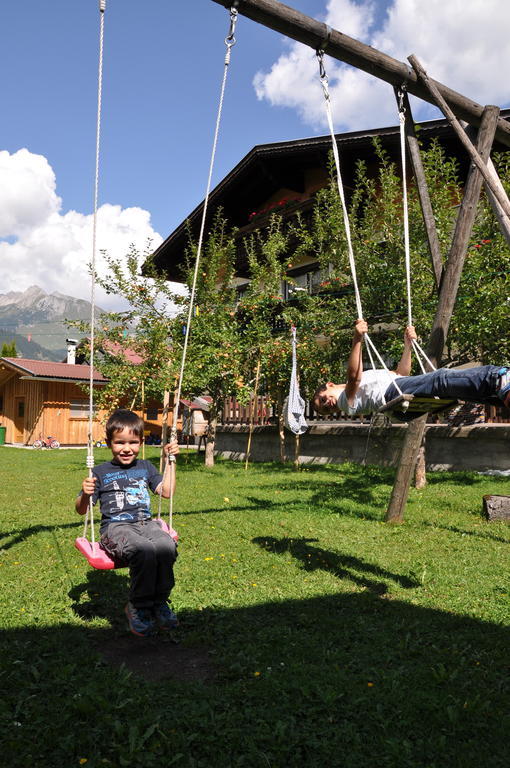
39	398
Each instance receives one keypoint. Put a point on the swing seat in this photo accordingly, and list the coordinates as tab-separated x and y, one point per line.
99	559
408	407
96	556
171	531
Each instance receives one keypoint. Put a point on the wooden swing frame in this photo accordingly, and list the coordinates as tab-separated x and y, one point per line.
320	37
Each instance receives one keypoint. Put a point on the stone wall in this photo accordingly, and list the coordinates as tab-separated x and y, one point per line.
479	447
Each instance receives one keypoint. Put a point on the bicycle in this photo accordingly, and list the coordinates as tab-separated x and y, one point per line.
50	442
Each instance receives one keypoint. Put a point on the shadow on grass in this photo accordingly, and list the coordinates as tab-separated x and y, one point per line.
96	597
337	680
455	478
342	566
466	532
32	530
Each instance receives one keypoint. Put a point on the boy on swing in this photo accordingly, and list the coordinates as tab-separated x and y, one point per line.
127	531
367	391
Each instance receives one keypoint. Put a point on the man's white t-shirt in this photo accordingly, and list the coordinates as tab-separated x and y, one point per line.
370	395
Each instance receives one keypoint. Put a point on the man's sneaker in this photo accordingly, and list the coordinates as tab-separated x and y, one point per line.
504	386
140	621
165	618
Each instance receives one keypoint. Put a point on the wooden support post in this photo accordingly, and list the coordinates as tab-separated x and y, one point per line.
465	219
420	474
447	296
316	34
461	134
503	219
412	442
423	192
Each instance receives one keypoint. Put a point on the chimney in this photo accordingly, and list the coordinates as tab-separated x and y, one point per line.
71	351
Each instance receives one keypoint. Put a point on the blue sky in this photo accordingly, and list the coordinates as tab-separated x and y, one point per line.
162	71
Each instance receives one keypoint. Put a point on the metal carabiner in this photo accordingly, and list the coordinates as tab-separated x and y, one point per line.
401	95
322	69
230	39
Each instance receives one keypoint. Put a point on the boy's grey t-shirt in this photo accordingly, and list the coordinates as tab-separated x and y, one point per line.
123	492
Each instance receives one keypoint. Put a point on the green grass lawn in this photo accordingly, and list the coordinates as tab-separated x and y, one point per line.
326	637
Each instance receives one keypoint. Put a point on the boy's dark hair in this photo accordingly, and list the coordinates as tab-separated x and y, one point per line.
124	419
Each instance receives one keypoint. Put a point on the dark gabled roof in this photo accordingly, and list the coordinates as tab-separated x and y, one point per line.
46	370
270	167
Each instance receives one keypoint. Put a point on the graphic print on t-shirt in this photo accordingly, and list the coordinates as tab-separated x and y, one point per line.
124	492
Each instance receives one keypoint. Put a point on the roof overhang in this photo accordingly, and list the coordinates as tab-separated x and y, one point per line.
270	166
96	382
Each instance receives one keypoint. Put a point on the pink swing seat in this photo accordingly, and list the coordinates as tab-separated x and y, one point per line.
98	558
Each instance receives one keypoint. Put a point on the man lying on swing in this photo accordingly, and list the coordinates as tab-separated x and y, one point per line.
368	391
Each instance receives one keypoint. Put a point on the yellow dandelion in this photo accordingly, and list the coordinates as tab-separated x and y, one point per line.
256	674
370	685
254	585
225	498
83	760
208	558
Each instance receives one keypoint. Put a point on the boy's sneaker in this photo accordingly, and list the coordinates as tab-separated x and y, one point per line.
140	620
165	618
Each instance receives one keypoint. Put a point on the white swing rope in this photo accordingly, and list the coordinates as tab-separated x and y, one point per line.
229	42
419	352
325	87
89	516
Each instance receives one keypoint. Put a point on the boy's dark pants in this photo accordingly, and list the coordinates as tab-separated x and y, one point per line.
150	554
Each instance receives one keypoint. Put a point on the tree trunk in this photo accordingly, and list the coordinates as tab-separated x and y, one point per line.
297	450
211	434
281	426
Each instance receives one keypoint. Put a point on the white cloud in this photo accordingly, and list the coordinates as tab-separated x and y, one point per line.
27	192
45	247
464	45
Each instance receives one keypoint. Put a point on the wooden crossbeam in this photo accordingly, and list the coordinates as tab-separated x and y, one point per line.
316	34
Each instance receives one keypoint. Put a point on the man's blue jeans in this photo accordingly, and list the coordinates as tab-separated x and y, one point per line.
476	385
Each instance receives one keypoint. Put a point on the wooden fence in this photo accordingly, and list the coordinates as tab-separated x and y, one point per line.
264	412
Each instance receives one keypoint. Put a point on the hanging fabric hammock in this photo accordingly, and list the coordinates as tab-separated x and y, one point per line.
294	406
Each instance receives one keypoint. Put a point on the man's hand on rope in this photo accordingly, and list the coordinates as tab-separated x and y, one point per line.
360	328
410	335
